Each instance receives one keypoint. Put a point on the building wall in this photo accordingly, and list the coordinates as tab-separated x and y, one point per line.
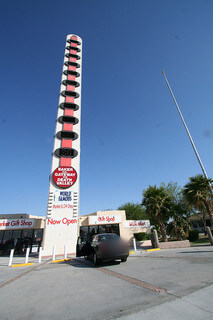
129	233
20	231
96	218
125	232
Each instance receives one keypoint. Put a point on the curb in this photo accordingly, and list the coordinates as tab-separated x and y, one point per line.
22	265
61	260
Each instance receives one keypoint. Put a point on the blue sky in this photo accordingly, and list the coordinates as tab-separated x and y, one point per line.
132	136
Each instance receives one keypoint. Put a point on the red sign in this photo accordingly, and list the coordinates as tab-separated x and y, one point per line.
64	177
16	223
65	221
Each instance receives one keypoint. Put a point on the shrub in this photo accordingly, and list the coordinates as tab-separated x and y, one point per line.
141	236
193	235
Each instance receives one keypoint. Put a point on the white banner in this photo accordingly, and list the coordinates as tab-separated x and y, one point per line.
104	219
62	199
6	224
137	224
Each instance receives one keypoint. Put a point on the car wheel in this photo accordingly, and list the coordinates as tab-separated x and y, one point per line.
124	259
95	259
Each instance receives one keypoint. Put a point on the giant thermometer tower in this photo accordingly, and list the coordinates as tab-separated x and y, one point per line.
63	200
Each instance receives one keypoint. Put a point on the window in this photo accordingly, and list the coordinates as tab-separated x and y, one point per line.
113	228
7	236
17	234
84	232
37	236
102	229
1	235
108	237
93	230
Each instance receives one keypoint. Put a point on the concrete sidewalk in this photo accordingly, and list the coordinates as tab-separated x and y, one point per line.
195	306
76	290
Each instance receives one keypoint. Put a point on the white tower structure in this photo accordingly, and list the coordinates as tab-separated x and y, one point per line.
61	227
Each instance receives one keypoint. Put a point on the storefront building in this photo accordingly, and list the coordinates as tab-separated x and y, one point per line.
20	231
112	221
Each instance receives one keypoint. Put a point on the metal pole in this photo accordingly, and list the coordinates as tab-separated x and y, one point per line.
27	255
39	255
187	130
11	258
53	257
65	252
134	245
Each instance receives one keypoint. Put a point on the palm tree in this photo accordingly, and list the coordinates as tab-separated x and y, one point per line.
179	226
197	193
181	210
158	205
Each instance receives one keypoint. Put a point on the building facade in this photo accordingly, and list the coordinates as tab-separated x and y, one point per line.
112	221
20	231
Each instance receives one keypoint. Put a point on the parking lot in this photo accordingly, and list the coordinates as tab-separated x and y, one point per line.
165	284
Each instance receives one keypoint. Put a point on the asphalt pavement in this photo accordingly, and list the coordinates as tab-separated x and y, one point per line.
165	284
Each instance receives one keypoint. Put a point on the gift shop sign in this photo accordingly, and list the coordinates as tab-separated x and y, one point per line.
52	222
104	219
64	177
16	224
137	223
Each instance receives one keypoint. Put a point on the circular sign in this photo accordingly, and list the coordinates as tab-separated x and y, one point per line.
64	177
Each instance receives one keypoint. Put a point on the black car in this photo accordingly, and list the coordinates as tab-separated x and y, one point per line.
101	247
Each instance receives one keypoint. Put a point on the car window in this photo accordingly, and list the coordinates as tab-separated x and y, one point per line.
108	237
95	240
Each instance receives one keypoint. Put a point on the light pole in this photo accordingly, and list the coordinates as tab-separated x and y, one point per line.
189	135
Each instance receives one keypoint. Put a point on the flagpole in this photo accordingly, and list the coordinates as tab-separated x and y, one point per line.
187	130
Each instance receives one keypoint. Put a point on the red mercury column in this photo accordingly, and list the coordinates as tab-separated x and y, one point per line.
66	162
67	152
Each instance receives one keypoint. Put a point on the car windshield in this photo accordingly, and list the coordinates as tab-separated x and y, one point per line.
108	237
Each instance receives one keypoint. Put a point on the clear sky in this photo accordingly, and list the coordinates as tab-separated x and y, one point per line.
132	135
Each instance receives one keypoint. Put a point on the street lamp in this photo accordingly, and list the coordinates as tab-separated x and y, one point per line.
189	135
